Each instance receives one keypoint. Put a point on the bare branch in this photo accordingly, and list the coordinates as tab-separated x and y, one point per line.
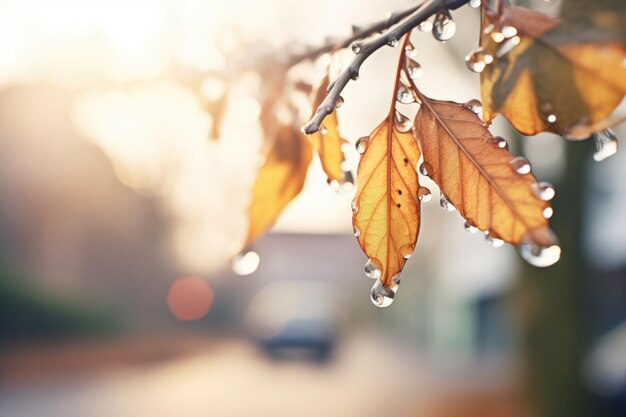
423	12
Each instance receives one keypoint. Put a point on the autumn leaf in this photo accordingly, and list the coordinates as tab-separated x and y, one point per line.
327	141
474	170
279	180
543	74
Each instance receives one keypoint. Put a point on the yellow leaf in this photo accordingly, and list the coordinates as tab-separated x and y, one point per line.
491	189
386	206
279	180
549	75
328	145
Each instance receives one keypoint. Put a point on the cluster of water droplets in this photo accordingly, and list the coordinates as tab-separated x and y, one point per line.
505	37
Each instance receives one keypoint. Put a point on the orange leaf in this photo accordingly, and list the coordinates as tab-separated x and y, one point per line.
328	145
491	189
279	181
549	75
386	208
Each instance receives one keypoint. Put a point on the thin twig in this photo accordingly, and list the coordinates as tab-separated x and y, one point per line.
423	12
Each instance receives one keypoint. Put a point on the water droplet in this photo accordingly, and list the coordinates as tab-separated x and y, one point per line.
444	203
507	46
355	208
547	213
508	31
551	118
382	296
606	144
354	74
444	26
245	263
497	36
334	185
361	144
489	29
413	69
474	105
477	60
356	47
538	255
348	181
469	228
425	169
407	250
323	130
402	123
474	4
393	42
424	195
543	190
493	241
425	26
373	268
357	232
404	96
520	165
500	142
339	102
410	52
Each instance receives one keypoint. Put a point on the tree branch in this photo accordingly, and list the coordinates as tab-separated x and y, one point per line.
420	14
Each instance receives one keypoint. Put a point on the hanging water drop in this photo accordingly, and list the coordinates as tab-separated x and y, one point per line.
477	60
444	203
245	263
407	250
497	36
520	165
393	42
606	144
551	118
361	144
508	31
507	46
402	123
470	228
413	69
539	255
474	4
492	241
474	105
381	296
547	213
425	26
357	232
404	96
543	190
323	130
424	195
356	47
373	268
425	169
444	26
339	102
500	142
355	208
334	185
410	52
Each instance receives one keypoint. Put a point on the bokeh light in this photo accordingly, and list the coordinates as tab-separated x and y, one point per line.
190	298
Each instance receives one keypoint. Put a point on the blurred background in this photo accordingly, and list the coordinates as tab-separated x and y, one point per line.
119	218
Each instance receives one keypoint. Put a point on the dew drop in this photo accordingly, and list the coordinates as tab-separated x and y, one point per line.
407	250
444	203
606	144
355	208
404	96
470	228
410	52
489	29
339	102
356	47
382	296
538	255
474	4
543	190
373	268
424	195
444	26
497	36
413	69
245	263
477	60
334	185
393	42
474	105
551	118
361	144
494	242
547	213
500	142
520	165
507	46
508	31
323	130
357	232
425	169
425	26
402	123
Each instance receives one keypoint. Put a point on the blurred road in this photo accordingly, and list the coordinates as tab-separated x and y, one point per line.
232	378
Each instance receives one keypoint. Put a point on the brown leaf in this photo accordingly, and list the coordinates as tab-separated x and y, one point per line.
387	210
549	75
328	145
477	174
279	180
